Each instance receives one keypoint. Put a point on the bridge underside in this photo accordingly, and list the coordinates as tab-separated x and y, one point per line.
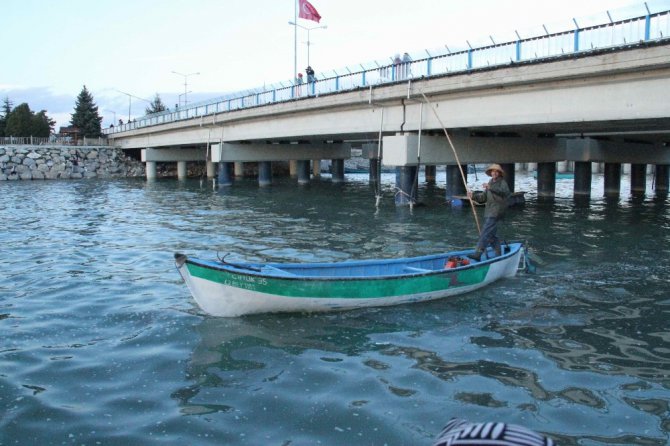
610	106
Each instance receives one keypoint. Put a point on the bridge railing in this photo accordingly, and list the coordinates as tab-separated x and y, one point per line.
52	140
652	26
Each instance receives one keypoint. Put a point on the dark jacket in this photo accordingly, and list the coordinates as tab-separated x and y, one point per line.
495	198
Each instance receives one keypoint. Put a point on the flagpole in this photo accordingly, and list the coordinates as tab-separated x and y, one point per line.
295	40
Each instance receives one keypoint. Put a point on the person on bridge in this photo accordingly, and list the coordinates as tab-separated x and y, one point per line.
494	196
310	74
298	86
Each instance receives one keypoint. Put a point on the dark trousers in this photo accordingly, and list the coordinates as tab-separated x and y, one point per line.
488	236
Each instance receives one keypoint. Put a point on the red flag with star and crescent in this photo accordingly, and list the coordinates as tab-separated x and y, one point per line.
308	12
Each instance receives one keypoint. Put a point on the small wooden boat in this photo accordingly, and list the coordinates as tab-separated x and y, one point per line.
228	289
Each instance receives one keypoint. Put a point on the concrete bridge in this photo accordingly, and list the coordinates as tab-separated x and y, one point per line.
606	105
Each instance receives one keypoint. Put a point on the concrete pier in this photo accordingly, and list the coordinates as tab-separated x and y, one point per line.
638	179
583	176
407	182
265	173
302	170
337	166
374	170
151	170
181	170
546	179
429	173
662	179
455	186
211	169
239	169
510	174
612	179
225	177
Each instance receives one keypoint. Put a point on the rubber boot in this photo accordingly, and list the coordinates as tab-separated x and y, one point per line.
477	255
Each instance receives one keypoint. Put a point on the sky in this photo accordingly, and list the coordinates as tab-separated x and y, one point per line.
127	51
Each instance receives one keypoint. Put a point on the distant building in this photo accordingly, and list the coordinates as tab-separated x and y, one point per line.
69	133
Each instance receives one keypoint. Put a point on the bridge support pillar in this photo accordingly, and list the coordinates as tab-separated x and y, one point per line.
612	179
239	169
455	184
406	181
582	185
293	168
546	179
338	170
225	179
510	175
316	168
181	170
150	170
662	177
429	172
638	179
374	170
302	168
264	173
210	169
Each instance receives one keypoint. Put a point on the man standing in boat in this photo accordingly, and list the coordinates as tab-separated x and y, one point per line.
494	196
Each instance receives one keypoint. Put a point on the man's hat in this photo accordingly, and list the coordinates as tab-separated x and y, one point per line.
494	167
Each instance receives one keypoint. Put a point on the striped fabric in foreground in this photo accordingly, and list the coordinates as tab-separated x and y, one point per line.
459	432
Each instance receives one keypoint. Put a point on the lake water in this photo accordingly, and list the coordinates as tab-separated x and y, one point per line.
102	343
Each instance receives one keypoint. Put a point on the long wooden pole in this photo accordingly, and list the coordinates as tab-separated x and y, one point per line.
460	168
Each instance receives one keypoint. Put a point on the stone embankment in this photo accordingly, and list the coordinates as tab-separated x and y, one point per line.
24	162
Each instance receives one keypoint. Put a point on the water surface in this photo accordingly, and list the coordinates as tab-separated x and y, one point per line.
102	343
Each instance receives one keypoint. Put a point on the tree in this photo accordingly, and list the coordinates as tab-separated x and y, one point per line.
19	121
155	106
4	114
85	116
42	125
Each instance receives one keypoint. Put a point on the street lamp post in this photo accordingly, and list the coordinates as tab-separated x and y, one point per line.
308	41
183	94
185	85
129	100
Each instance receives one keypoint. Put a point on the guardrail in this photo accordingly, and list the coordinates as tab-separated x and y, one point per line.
628	31
52	141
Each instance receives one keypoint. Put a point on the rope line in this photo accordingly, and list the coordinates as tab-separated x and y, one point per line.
458	162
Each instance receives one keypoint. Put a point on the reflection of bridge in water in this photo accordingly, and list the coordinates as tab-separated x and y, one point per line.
595	94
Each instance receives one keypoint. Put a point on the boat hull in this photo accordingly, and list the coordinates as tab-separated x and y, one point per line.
234	290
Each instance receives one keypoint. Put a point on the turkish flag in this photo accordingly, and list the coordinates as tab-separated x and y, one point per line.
308	12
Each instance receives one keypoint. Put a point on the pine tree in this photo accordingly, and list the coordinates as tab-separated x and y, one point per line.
4	114
155	106
85	116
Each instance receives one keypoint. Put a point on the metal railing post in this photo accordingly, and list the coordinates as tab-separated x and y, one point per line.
647	27
518	50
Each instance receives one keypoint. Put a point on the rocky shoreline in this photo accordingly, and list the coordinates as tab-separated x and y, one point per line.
66	162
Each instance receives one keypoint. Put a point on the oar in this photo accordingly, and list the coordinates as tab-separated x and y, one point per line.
460	168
